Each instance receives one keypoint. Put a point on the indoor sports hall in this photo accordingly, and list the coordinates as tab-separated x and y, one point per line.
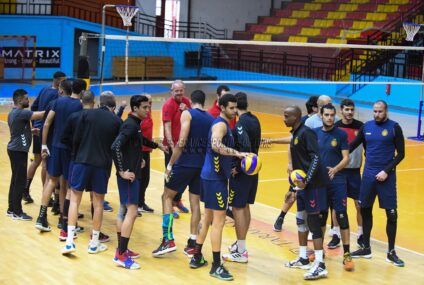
279	53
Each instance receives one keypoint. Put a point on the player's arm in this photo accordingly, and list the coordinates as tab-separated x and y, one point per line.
218	132
290	164
360	138
167	125
285	140
124	135
46	128
184	132
37	115
399	142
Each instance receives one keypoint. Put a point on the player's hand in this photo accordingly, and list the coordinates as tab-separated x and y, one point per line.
44	151
290	197
163	148
183	107
35	131
289	168
266	142
241	155
300	185
381	176
331	172
234	172
127	175
143	163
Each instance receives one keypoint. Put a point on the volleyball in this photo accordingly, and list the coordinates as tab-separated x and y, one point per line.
295	176
251	164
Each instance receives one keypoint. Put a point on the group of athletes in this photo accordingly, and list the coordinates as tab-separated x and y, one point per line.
78	144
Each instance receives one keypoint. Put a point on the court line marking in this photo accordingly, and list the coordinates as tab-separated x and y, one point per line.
410	169
293	214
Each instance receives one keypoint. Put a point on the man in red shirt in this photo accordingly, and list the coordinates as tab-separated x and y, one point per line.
171	114
214	110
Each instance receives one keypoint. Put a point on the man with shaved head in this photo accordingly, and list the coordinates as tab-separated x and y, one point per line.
310	193
315	121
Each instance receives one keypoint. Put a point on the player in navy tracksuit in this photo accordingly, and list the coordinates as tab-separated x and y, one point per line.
384	149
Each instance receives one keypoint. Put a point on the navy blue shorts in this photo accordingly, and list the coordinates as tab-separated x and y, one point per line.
128	191
337	194
242	190
36	144
353	180
182	176
312	200
58	162
89	178
386	192
214	194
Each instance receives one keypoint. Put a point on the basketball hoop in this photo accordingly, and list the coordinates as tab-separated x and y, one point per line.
127	13
411	30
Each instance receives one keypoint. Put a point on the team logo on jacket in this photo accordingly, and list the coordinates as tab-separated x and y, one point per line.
334	143
296	141
384	133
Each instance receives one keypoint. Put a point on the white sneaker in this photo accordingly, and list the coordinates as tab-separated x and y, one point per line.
331	232
96	248
233	247
302	263
235	256
68	248
310	236
317	271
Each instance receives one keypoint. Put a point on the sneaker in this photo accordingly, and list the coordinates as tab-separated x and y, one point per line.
360	241
165	247
64	235
125	261
348	264
132	254
59	223
221	273
80	216
139	214
68	248
190	248
278	225
22	217
317	271
79	229
107	207
27	198
233	247
96	248
235	256
51	203
302	263
362	252
331	232
56	209
334	243
9	213
176	215
145	208
181	207
310	236
42	224
393	258
198	262
102	237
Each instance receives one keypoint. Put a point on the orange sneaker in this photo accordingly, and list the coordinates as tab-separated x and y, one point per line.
348	264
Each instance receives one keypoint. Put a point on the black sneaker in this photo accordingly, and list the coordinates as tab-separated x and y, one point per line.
198	262
59	223
9	213
79	229
360	241
51	202
221	273
334	243
42	224
362	252
393	258
22	217
317	271
27	198
278	225
56	209
146	209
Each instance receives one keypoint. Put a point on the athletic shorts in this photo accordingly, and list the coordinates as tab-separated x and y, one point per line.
353	180
182	176
89	178
337	194
58	162
128	191
214	194
312	200
36	144
242	190
386	192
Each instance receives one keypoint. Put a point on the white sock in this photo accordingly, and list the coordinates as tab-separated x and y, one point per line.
71	233
337	231
241	246
95	237
319	255
360	232
193	237
302	252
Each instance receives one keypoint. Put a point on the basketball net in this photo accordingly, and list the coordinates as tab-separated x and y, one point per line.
127	13
411	30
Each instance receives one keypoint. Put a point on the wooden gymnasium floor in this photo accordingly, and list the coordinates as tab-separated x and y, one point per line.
27	256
